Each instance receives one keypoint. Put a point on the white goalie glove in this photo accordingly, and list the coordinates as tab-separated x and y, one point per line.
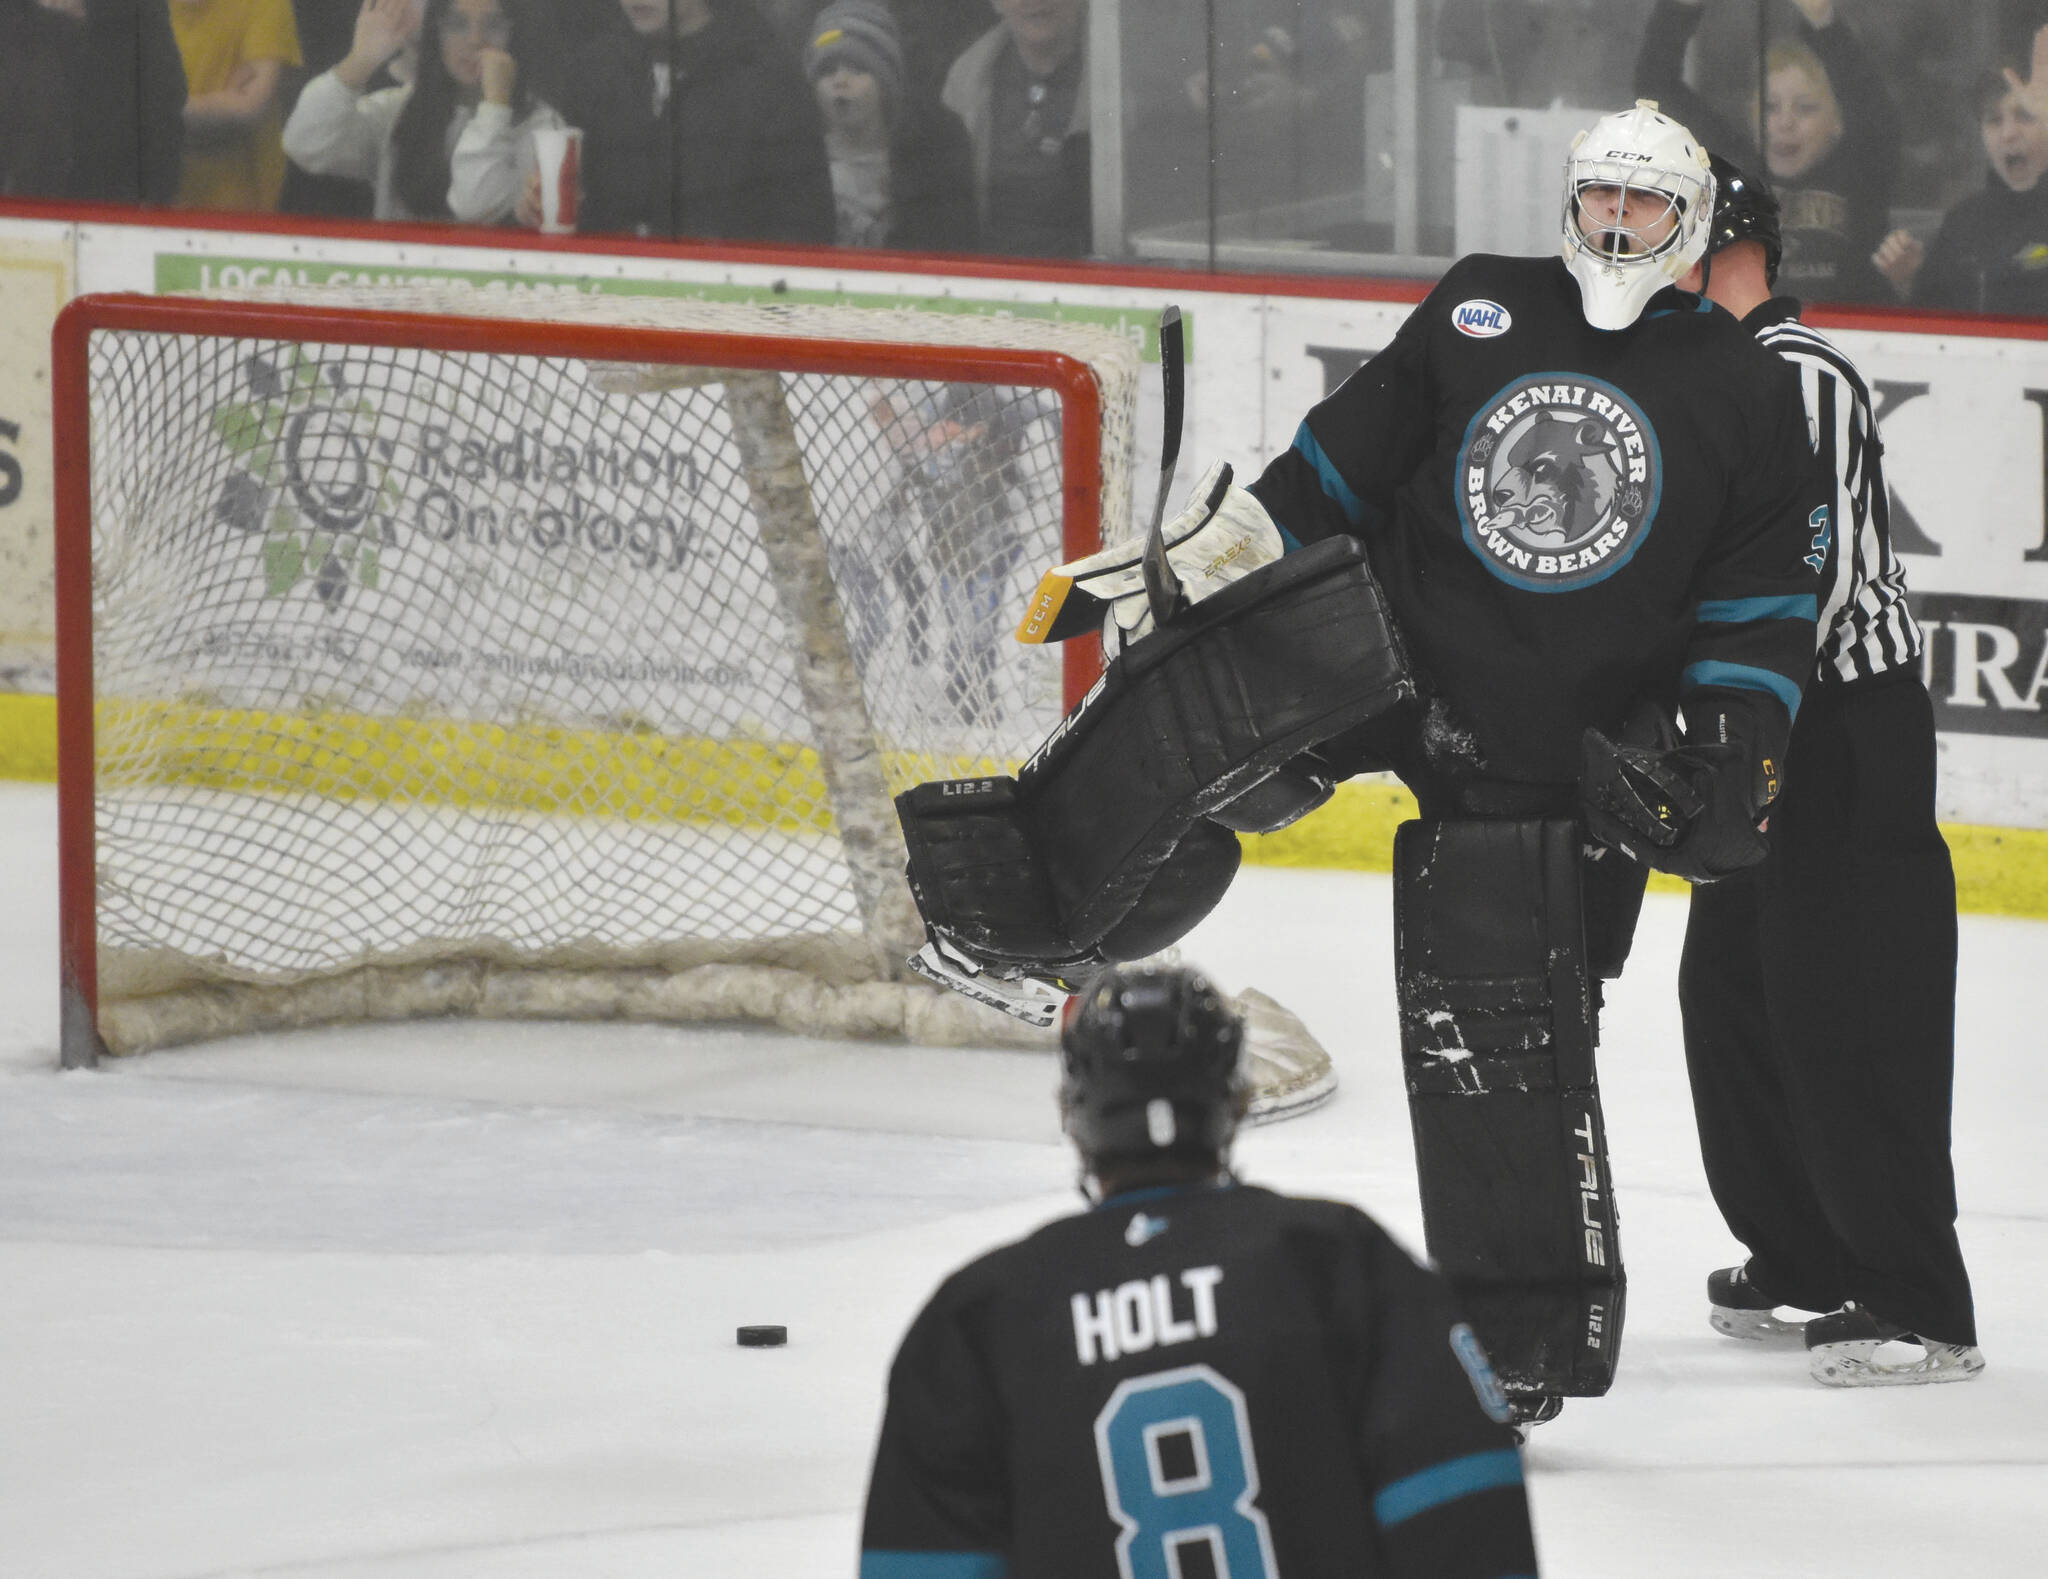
1222	534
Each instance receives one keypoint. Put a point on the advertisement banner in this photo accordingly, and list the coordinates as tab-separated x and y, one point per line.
1964	420
35	282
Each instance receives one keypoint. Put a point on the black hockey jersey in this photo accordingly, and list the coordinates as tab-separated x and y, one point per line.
1568	520
1203	1381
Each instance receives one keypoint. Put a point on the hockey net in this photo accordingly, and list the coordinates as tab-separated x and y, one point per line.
513	655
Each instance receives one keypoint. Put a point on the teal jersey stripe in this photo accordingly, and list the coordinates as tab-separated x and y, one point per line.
1740	677
932	1565
1335	486
1740	611
1446	1482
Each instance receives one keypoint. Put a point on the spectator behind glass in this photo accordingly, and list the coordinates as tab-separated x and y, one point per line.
899	178
456	141
1021	90
326	34
92	100
1831	142
235	54
697	123
38	59
1991	254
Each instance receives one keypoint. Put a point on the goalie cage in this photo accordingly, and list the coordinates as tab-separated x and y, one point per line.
551	655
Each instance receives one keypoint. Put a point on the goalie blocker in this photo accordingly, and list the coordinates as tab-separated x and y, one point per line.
1497	1036
1119	834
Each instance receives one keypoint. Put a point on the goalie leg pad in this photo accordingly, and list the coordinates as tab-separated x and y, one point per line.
1497	1039
1181	723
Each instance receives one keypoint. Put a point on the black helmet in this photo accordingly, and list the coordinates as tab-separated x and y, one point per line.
1149	1062
1744	210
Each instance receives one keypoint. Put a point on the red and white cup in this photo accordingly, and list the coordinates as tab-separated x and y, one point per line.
558	150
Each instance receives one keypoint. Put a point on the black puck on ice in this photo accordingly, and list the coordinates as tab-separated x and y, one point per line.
763	1337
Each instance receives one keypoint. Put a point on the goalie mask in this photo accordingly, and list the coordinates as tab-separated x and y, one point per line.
1149	1065
1638	206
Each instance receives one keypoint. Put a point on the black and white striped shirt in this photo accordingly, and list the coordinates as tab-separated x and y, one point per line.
1865	627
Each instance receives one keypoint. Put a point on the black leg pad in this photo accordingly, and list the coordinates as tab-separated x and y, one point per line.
1497	1039
1078	854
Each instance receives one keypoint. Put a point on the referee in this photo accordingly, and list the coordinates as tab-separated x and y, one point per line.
1818	990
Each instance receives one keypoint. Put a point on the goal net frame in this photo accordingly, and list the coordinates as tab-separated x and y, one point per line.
657	357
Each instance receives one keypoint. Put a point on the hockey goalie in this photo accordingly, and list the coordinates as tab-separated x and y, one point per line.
1568	503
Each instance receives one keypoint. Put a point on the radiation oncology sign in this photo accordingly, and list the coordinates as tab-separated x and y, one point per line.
1559	478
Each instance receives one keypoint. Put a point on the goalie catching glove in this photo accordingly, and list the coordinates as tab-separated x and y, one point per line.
1692	808
1220	536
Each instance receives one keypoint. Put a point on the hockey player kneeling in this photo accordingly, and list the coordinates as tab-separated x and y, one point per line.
1121	831
1196	1376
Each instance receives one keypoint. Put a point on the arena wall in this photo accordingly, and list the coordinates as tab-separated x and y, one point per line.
1964	404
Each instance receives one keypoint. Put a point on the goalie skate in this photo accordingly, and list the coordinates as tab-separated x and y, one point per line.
1855	1347
1288	1068
1737	1308
1022	997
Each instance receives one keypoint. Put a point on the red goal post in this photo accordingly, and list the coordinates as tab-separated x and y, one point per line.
244	491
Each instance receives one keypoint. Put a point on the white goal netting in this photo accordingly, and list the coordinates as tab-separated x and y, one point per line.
503	658
510	681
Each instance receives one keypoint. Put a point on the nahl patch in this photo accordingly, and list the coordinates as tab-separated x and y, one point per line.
1481	319
1559	479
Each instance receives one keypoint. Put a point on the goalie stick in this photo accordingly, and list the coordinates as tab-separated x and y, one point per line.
1162	587
1058	611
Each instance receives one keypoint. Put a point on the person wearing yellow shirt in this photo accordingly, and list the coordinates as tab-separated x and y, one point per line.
236	53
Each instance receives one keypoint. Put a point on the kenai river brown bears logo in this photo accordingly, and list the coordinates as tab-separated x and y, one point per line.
1558	481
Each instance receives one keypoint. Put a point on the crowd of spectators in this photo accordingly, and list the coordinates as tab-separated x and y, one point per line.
963	125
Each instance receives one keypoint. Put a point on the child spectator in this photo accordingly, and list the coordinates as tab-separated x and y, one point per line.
1021	89
1991	254
697	123
457	140
236	53
899	178
1831	142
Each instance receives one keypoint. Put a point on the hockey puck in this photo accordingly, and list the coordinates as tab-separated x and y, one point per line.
763	1337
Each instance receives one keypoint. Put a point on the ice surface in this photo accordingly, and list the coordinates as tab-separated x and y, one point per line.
457	1301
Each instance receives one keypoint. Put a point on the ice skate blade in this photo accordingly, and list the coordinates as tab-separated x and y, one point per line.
1855	1364
1755	1326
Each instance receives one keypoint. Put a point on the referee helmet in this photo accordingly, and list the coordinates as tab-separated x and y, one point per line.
1745	210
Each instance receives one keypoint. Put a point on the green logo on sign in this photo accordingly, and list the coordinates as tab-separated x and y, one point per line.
312	479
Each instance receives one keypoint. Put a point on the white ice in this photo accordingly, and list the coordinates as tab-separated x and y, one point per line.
450	1300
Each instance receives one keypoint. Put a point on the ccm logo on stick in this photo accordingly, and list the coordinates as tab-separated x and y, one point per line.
1480	319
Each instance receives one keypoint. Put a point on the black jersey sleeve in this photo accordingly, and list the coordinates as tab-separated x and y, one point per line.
938	1499
1756	592
1660	75
1359	444
1444	1475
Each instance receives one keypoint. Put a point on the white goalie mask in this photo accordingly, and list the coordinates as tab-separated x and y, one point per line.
1638	211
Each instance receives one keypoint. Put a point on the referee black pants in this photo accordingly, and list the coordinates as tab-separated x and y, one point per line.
1818	994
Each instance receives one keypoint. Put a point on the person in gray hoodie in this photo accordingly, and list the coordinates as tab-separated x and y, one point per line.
1021	89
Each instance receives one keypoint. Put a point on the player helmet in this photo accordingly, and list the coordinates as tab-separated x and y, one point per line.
1149	1065
1638	200
1745	210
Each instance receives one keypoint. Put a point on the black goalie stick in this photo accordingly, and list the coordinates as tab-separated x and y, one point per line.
1162	586
1059	609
